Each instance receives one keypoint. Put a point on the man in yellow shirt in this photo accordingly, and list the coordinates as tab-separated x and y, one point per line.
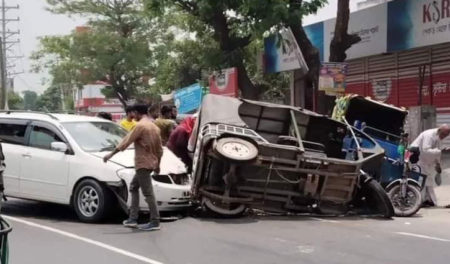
128	122
165	123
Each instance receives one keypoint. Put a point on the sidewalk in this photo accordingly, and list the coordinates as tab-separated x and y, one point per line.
443	191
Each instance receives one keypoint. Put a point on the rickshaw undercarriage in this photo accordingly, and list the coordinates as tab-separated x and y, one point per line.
283	185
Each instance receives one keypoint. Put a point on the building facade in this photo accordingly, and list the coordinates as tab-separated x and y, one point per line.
89	100
404	56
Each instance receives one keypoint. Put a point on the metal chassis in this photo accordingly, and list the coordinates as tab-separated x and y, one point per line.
251	195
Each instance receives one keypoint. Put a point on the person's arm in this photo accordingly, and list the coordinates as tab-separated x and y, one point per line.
159	150
126	142
429	149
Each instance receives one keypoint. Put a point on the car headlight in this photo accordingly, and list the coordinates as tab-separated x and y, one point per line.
126	174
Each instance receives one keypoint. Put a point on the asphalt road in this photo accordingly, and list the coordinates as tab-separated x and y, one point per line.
46	233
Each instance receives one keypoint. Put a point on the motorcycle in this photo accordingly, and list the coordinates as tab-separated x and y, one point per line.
406	192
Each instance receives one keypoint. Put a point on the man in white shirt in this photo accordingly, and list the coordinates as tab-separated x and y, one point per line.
429	144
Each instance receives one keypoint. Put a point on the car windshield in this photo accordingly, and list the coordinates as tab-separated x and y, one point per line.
96	136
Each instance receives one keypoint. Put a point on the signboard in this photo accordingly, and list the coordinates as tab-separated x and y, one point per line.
224	82
282	53
371	26
418	23
332	78
188	99
392	26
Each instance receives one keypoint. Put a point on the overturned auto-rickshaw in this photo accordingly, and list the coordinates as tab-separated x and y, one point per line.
281	159
401	179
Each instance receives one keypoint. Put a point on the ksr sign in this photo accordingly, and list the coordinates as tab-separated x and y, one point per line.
435	11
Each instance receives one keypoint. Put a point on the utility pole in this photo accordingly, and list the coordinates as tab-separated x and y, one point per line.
6	45
4	92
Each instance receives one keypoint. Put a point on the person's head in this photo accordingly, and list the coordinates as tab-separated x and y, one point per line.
140	110
105	115
153	111
130	113
443	131
174	112
166	112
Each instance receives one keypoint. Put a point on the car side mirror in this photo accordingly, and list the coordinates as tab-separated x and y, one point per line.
59	146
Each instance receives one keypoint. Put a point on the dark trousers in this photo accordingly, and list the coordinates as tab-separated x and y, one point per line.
143	180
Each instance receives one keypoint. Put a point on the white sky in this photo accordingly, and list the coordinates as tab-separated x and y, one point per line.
35	21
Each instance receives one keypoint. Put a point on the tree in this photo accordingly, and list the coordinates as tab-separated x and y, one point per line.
234	25
342	41
113	48
15	102
29	100
50	100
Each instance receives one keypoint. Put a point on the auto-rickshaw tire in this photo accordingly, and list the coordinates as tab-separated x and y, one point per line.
377	197
215	211
217	148
396	188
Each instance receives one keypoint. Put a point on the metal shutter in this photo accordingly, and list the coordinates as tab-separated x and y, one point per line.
408	74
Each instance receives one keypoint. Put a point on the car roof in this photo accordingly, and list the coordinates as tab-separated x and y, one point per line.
53	118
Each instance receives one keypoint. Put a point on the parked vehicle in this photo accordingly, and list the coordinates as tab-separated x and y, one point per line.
282	159
385	123
58	158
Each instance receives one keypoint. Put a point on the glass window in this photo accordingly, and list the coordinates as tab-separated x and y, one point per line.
96	136
13	133
42	138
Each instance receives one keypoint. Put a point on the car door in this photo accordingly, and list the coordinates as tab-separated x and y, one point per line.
12	136
45	172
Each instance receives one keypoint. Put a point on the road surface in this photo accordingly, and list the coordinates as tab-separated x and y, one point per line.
46	233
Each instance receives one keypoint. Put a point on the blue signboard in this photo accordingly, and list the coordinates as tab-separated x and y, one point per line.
188	99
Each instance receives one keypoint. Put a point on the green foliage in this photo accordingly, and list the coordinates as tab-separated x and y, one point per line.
233	27
29	100
15	102
173	42
50	100
115	46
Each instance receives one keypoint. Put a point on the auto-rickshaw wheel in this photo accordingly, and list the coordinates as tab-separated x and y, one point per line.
374	197
219	209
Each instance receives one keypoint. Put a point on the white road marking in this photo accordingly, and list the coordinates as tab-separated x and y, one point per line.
324	220
306	249
423	236
84	239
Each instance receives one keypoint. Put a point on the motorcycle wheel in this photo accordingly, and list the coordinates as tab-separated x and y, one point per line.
405	206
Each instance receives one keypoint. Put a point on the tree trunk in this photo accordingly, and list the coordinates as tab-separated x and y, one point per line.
312	58
233	46
248	89
342	41
120	94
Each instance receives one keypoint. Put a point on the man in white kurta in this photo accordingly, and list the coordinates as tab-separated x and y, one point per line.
429	144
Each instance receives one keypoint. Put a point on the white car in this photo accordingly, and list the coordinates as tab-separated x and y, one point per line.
58	158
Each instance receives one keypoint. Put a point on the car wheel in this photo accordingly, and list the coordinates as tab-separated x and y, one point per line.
405	206
217	209
376	199
235	149
92	201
